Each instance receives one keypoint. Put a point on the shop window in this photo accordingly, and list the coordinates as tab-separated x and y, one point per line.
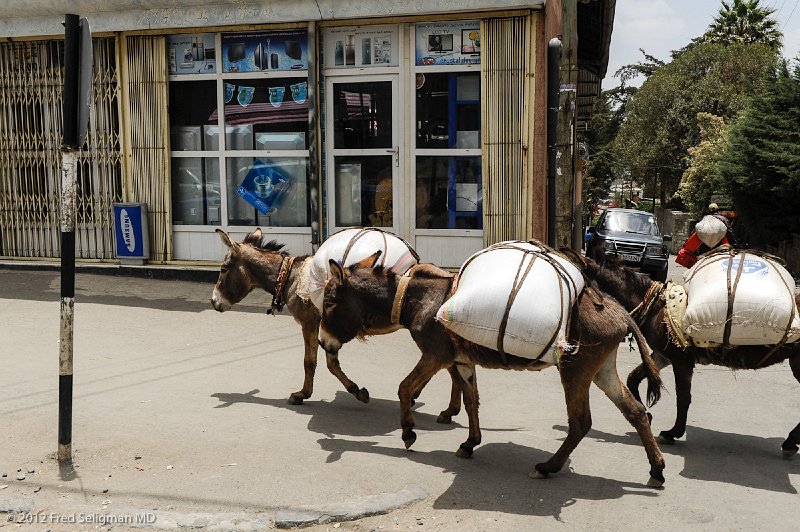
363	115
363	191
449	192
448	110
257	172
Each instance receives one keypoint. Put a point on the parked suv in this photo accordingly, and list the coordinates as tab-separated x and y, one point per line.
634	236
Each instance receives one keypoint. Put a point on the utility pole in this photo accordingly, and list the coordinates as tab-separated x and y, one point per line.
75	112
565	153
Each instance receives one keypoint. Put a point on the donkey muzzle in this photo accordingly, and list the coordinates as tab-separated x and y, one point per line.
328	342
219	303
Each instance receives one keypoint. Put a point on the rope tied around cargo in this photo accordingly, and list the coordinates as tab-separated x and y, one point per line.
546	254
367	230
730	253
642	310
400	295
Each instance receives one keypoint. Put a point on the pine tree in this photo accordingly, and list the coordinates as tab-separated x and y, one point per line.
761	164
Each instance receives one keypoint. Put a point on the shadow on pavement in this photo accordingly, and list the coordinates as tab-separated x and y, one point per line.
344	416
496	479
744	460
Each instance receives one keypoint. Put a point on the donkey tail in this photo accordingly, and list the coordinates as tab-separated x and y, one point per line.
654	383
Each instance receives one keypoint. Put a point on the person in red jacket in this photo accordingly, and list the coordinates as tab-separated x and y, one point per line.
694	246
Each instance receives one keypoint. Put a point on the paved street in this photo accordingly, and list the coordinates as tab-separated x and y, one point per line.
180	418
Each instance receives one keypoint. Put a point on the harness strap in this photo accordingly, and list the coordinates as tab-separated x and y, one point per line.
642	310
515	287
278	300
726	336
400	296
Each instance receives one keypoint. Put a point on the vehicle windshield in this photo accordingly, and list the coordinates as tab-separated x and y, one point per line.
631	222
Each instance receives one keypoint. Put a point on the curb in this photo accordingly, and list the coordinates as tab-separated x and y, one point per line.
199	274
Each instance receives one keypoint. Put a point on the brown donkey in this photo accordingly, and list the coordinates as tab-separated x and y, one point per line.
360	297
631	289
256	262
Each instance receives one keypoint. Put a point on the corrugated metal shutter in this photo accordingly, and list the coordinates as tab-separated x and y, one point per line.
508	101
147	170
31	81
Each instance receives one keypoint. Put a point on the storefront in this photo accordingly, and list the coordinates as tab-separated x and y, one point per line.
410	119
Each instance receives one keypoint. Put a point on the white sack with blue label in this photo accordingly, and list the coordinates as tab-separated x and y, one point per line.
760	304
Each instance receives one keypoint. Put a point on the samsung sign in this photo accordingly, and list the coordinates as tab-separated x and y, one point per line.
130	230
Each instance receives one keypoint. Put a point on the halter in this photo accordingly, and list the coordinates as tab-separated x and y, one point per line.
280	283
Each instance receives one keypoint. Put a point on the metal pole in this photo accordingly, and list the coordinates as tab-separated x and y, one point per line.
68	161
553	86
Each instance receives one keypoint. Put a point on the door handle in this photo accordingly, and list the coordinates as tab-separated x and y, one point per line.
396	152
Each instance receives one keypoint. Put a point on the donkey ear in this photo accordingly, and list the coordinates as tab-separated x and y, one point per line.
369	262
227	240
337	274
257	233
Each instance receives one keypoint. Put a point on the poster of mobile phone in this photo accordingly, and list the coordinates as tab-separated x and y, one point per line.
191	54
264	51
361	47
449	43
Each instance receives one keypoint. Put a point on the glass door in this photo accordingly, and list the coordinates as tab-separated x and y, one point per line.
363	132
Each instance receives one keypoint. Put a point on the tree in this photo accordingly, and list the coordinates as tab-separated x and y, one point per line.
702	178
603	127
745	22
661	117
761	164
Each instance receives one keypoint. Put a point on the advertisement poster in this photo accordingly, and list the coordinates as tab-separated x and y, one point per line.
191	54
449	43
264	187
265	50
357	47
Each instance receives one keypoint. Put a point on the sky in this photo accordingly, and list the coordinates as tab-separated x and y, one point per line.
660	26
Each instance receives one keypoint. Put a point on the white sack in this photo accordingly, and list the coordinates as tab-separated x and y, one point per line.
476	310
710	230
762	304
395	255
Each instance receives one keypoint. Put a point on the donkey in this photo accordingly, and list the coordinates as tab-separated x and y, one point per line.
631	289
256	262
362	296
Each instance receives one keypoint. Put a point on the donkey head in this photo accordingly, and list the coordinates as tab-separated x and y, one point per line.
614	278
246	265
350	301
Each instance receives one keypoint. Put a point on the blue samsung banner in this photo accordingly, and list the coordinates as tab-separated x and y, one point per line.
130	230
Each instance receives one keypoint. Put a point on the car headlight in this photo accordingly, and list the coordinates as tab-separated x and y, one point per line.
654	250
609	245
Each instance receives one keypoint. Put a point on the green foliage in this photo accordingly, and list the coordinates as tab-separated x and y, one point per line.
702	178
745	22
761	164
661	124
603	127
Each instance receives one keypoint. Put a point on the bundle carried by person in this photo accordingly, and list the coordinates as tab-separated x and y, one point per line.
740	298
515	297
351	245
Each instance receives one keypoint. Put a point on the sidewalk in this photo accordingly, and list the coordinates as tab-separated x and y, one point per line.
180	419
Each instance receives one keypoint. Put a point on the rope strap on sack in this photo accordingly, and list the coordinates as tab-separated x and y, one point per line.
400	295
365	230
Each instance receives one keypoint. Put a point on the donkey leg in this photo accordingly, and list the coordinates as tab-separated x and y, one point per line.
607	379
683	396
576	377
333	366
790	446
309	364
469	384
414	381
446	415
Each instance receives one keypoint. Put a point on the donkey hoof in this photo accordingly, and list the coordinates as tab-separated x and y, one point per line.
788	453
363	395
654	482
535	473
295	400
409	437
444	419
665	439
464	452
